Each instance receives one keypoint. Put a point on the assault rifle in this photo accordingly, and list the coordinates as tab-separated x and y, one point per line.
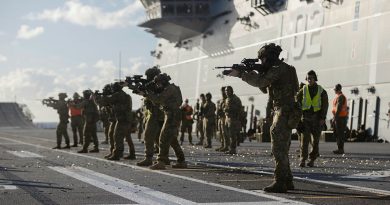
49	101
246	65
139	84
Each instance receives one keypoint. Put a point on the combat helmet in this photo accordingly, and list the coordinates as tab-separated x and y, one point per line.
270	51
87	94
62	95
152	72
76	95
107	89
162	78
115	87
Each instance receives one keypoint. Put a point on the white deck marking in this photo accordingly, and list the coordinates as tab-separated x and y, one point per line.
370	175
25	154
8	187
128	190
259	194
351	187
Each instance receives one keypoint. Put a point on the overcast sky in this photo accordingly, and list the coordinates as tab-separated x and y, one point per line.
51	46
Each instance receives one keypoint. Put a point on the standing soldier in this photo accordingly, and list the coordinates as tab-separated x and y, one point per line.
314	101
225	140
63	112
199	123
76	119
233	113
282	83
209	109
154	120
108	119
121	107
186	122
340	114
140	123
91	116
170	99
103	115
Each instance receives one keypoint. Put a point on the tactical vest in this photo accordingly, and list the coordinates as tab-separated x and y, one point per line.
307	102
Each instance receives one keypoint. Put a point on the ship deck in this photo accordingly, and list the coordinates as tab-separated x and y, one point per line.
33	173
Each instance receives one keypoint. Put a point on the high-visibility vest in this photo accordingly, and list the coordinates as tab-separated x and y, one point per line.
74	111
307	102
343	112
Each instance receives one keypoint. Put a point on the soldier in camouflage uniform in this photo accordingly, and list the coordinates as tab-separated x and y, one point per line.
91	116
233	114
154	120
63	112
107	118
314	100
199	123
282	82
209	109
76	120
225	140
121	106
103	115
140	123
170	99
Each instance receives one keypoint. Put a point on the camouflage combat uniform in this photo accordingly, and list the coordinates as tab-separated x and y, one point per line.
104	117
225	140
154	120
232	111
62	127
121	106
170	99
282	82
209	121
91	116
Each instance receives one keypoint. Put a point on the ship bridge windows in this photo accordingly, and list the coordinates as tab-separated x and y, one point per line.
266	7
184	9
167	9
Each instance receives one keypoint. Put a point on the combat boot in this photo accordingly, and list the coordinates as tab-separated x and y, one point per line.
145	163
113	158
219	149
208	146
290	185
74	145
57	147
276	187
224	149
130	157
107	156
158	166
231	152
310	163
180	165
95	150
302	164
338	151
82	151
66	147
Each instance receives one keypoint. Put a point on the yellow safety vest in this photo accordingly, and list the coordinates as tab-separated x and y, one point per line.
307	102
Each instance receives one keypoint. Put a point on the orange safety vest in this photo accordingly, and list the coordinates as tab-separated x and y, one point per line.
344	111
74	111
188	109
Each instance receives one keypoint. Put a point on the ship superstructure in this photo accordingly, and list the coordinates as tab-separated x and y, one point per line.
344	41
